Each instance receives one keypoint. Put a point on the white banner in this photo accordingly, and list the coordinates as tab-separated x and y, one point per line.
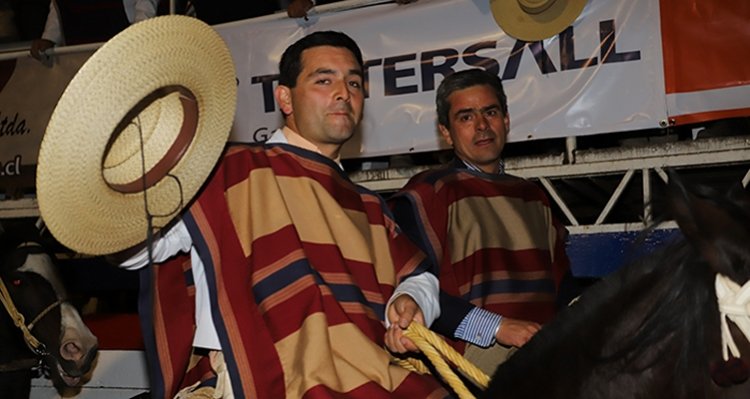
603	74
28	94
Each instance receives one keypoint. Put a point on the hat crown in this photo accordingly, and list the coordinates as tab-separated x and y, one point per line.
536	6
533	20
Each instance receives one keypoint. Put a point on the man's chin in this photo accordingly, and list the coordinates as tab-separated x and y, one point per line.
341	134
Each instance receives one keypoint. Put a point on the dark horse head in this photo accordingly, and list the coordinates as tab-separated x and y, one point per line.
38	327
653	329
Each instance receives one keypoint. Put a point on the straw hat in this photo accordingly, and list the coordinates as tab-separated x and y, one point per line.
534	20
165	85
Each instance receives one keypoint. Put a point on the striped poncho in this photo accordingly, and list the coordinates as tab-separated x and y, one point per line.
300	264
493	238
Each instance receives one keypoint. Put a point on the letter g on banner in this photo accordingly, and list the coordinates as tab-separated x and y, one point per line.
261	134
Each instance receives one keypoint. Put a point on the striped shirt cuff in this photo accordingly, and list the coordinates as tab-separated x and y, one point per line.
479	327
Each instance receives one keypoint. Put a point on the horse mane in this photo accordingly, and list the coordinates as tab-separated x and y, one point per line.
682	298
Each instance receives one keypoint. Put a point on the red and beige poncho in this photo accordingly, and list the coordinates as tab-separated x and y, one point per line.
493	238
300	264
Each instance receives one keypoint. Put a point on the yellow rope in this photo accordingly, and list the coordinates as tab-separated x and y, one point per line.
17	317
437	351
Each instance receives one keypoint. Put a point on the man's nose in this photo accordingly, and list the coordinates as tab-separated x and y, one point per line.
481	123
342	91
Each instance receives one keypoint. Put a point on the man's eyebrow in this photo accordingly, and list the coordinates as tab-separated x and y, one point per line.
469	110
329	71
322	71
464	111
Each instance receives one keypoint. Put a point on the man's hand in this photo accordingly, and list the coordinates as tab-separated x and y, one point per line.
402	312
514	332
298	8
39	46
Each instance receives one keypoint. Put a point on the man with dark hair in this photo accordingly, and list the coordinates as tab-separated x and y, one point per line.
293	267
499	250
291	61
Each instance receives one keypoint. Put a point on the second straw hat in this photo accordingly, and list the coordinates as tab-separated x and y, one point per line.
534	20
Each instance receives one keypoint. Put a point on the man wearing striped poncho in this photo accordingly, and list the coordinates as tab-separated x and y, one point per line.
283	272
499	250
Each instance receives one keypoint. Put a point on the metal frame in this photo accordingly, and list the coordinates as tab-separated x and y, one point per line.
615	161
574	163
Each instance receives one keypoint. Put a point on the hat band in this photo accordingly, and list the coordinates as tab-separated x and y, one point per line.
535	6
179	146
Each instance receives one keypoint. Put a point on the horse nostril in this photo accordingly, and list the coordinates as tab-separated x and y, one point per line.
71	351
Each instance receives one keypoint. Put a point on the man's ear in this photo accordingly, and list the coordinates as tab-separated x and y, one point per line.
506	121
446	134
283	95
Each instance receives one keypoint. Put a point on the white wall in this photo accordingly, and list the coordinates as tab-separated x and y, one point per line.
117	375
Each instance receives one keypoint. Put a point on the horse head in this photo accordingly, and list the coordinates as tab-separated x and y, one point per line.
50	327
672	324
719	228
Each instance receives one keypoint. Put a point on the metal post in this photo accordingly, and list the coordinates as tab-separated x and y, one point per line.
570	149
646	196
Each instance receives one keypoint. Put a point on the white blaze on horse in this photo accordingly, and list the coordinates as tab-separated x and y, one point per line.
39	329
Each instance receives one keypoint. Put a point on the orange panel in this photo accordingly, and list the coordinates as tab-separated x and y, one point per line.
706	44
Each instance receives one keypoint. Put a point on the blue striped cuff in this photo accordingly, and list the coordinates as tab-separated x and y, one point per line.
479	327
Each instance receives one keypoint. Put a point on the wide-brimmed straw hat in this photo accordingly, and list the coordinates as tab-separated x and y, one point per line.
145	119
534	20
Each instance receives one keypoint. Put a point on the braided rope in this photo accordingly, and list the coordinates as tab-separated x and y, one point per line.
18	318
44	313
437	351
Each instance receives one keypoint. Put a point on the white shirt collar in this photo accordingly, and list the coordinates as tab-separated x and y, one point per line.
286	135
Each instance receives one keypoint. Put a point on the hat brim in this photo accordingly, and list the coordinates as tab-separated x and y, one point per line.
518	23
92	156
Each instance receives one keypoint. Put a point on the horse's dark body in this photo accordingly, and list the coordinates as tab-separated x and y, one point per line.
33	284
652	329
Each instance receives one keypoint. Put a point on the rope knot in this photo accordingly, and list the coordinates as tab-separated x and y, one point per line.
734	305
